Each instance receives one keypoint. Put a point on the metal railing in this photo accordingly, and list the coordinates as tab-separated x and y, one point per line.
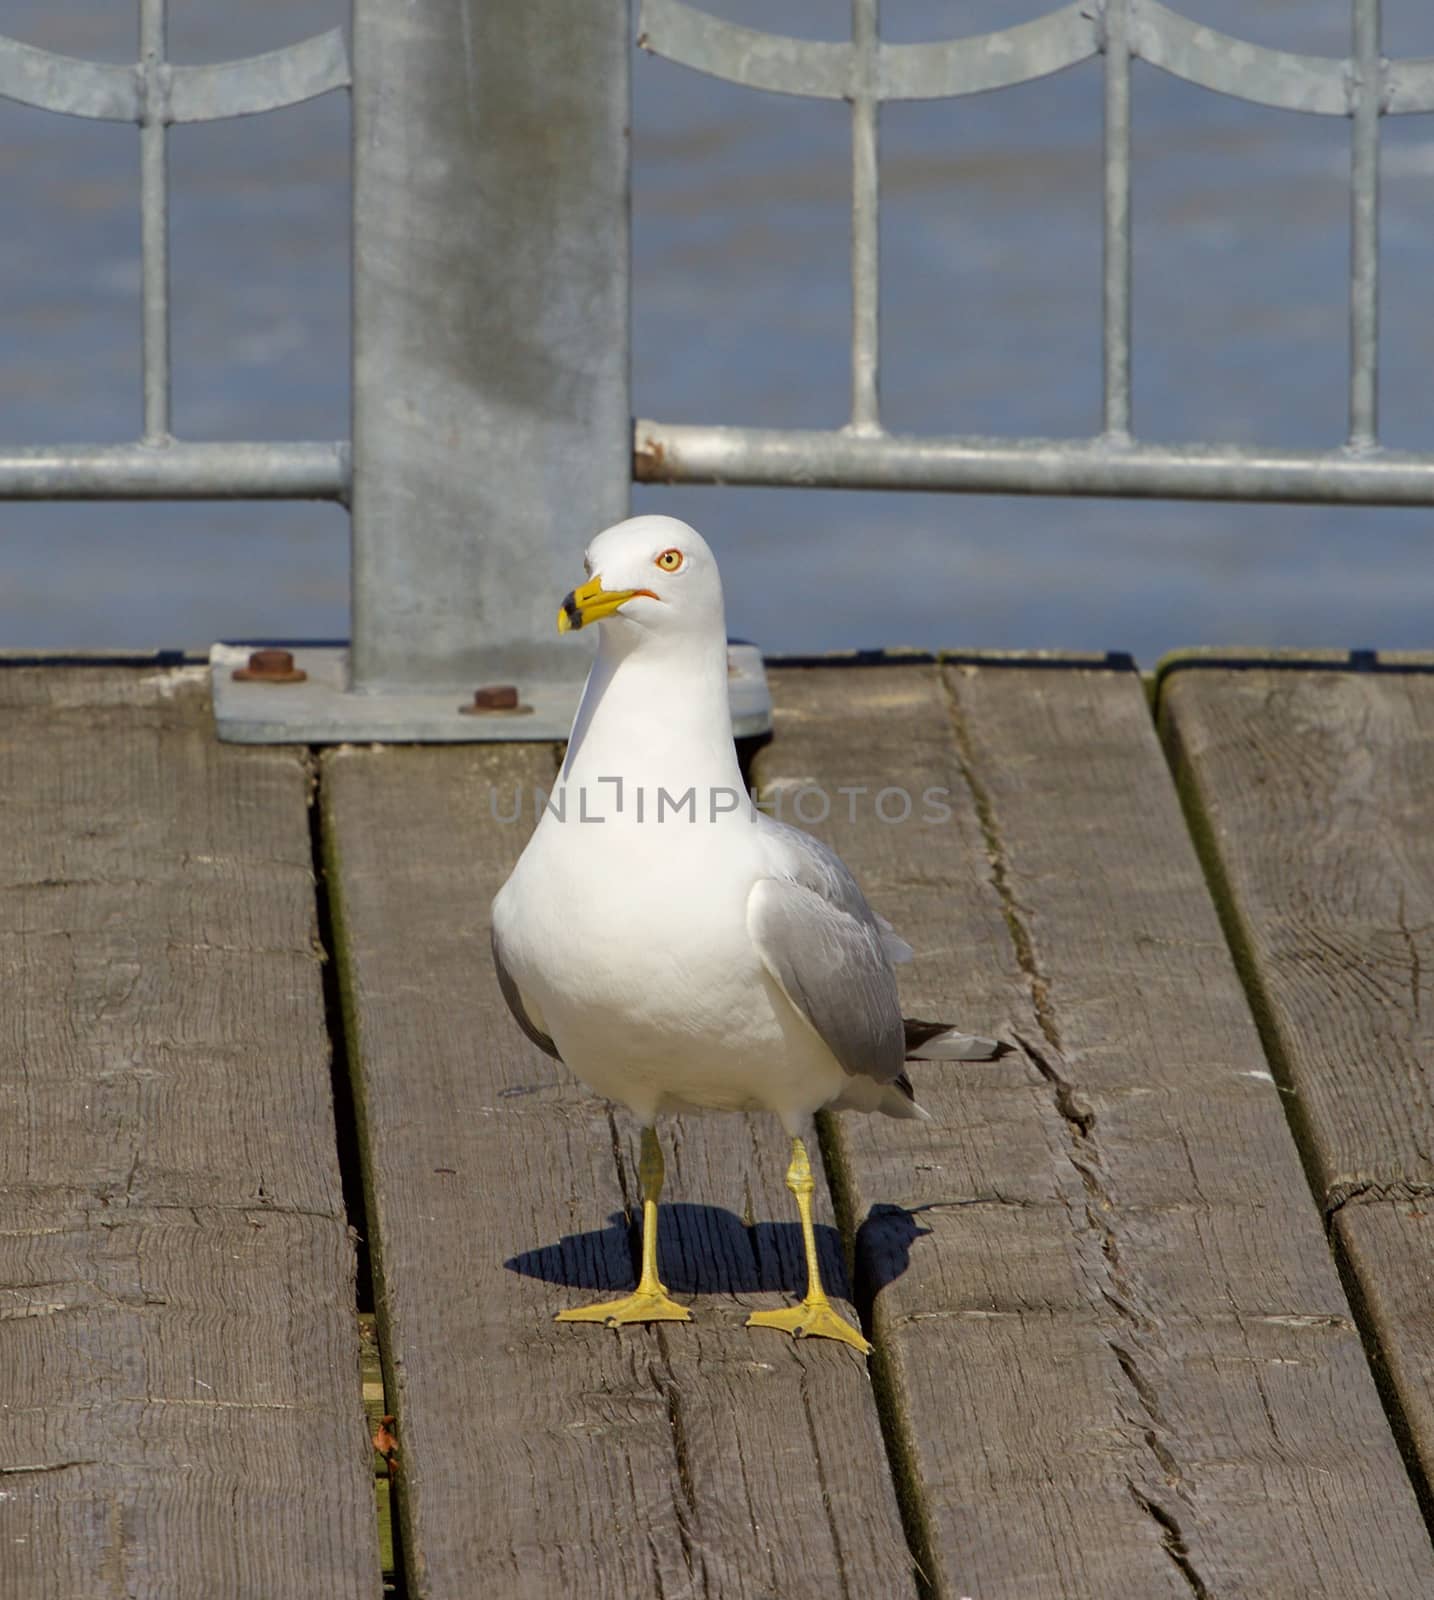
492	422
154	93
867	72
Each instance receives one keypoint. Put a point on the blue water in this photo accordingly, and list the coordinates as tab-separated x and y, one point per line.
991	263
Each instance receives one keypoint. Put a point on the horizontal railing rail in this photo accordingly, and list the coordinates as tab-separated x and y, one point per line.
173	469
1111	467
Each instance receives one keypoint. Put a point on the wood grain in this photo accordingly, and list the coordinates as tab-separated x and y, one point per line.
540	1460
1311	790
1120	1354
179	1392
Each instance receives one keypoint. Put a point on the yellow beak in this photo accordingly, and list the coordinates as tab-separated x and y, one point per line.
592	603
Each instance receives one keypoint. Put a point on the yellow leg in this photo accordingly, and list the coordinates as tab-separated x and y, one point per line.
650	1301
815	1318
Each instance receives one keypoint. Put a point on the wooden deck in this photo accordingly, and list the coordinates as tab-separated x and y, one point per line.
1153	1297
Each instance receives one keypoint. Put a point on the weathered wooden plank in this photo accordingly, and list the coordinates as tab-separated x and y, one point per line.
1310	788
537	1460
1109	1322
179	1390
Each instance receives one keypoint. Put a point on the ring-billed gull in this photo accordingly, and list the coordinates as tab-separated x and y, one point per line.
671	943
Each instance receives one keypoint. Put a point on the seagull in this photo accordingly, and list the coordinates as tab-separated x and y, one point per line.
675	946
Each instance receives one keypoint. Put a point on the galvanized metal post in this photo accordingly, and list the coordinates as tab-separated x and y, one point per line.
492	428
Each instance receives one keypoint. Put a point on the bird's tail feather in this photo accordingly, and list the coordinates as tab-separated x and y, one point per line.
934	1041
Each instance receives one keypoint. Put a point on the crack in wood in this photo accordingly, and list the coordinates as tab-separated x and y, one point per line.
1172	1541
1416	969
667	1388
1370	1191
1076	1111
687	1533
1011	908
1121	1294
1142	1386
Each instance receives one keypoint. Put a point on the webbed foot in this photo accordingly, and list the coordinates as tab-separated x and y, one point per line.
813	1319
643	1305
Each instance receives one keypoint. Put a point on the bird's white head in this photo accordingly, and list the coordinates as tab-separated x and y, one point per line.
649	578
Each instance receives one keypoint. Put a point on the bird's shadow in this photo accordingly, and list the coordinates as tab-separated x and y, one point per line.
709	1250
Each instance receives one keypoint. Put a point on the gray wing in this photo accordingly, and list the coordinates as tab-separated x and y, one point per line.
827	951
818	867
515	1002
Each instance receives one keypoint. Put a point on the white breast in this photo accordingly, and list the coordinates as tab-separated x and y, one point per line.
637	960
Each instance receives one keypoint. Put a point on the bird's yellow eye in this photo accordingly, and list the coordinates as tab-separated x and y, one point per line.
669	560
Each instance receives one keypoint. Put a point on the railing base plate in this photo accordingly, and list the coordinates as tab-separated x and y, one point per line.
324	710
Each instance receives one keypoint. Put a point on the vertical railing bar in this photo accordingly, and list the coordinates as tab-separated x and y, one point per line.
1116	307
1364	228
865	221
154	218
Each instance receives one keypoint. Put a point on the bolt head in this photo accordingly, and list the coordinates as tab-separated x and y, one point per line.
496	697
270	666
